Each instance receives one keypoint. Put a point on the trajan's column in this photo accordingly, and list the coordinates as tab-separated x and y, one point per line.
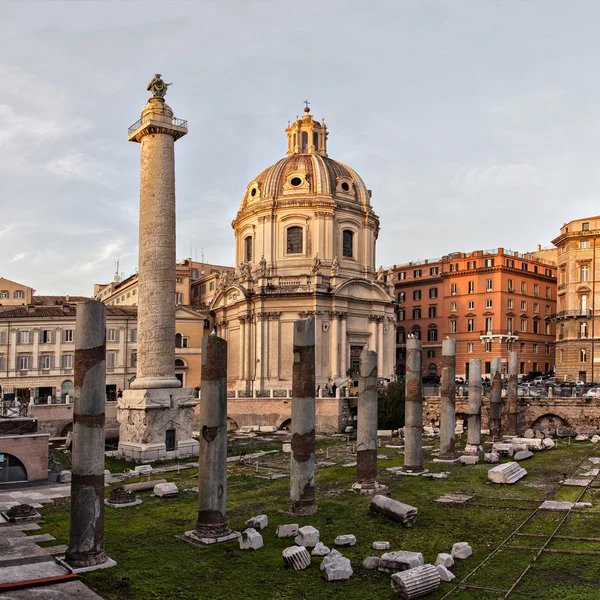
156	415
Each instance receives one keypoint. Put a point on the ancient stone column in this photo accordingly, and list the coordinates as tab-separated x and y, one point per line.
212	458
302	462
156	415
513	400
448	401
496	399
413	422
474	406
156	132
86	535
366	436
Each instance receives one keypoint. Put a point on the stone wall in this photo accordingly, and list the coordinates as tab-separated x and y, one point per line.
332	414
579	414
57	419
31	450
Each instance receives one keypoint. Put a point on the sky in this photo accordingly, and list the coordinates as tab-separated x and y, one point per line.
475	123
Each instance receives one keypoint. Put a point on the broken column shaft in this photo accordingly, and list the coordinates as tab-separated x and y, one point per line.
496	399
212	458
86	535
413	425
302	462
448	401
366	436
513	400
474	406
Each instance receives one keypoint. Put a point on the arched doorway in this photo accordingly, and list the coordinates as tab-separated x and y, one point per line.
11	469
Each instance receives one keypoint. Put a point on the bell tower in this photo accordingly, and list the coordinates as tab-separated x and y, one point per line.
307	136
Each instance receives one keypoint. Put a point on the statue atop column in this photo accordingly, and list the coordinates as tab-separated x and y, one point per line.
158	87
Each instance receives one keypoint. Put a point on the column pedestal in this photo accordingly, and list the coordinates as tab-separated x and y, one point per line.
147	418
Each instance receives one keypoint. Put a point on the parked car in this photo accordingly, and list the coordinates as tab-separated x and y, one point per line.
591	393
579	383
459	380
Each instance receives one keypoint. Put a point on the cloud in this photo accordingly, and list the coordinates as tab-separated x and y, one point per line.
19	256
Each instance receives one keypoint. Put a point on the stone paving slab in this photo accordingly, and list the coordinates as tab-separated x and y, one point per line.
454	498
31	571
578	482
70	590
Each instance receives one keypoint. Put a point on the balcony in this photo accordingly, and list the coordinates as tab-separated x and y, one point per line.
501	335
147	118
572	314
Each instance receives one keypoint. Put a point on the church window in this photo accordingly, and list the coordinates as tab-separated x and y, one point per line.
248	248
294	240
347	243
295	181
304	141
345	186
316	140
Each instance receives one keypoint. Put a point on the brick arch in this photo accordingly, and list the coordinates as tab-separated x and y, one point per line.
31	450
231	425
549	423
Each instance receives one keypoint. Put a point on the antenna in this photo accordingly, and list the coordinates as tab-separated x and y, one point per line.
191	248
202	255
117	278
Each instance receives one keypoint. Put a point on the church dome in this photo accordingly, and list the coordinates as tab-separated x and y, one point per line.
307	171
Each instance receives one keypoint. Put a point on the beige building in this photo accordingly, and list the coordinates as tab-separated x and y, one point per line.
37	351
14	294
305	238
578	309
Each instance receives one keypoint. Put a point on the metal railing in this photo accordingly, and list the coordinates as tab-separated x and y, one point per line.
174	121
12	409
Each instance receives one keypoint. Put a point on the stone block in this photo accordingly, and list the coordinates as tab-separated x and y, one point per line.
401	560
345	540
371	562
444	559
445	575
166	490
491	457
522	455
381	545
529	433
595	439
296	557
582	438
527	444
503	448
395	510
548	443
286	531
461	550
259	522
336	568
307	536
320	550
469	459
286	448
65	477
142	470
508	473
416	582
251	540
349	429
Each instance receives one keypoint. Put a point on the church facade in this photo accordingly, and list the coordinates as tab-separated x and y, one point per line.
305	238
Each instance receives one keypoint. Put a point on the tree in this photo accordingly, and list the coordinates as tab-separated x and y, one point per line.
390	413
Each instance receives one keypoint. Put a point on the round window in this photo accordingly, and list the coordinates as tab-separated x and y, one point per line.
345	186
253	192
296	181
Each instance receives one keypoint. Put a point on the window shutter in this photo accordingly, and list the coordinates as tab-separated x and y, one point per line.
117	332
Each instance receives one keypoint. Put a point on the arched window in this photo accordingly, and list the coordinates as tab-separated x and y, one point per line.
248	248
316	140
66	388
304	141
294	240
178	340
432	333
432	369
347	243
179	364
582	355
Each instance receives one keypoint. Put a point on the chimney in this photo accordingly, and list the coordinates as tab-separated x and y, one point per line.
67	298
539	248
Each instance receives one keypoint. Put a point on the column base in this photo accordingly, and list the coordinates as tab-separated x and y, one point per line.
73	568
412	471
447	460
472	449
192	537
368	488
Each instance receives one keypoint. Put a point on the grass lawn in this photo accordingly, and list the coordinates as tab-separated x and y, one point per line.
153	564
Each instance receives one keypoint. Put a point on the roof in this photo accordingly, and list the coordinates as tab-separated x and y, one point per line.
60	300
69	310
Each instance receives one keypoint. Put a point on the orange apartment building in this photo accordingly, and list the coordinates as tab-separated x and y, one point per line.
489	301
